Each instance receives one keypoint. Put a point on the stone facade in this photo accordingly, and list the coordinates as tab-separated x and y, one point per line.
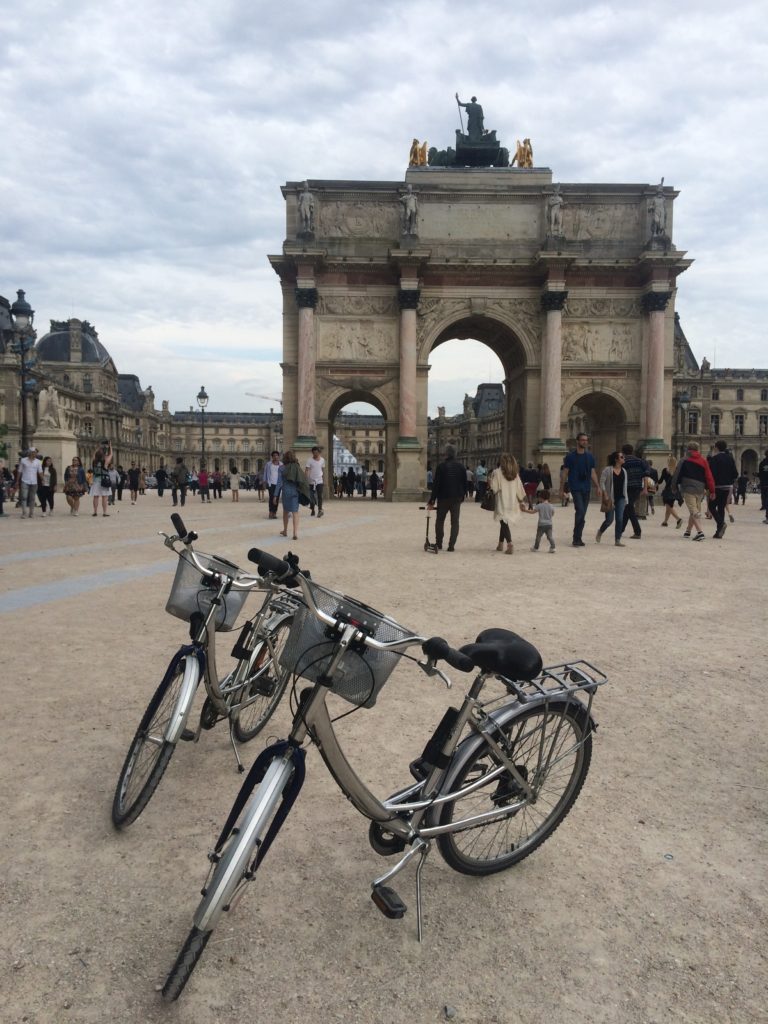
582	320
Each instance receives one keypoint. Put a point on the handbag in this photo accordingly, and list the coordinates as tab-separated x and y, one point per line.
105	481
489	501
606	503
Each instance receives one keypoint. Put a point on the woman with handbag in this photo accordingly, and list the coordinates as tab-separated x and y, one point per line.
101	485
613	496
668	495
294	489
507	488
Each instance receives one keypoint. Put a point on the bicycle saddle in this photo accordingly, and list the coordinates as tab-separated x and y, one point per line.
504	652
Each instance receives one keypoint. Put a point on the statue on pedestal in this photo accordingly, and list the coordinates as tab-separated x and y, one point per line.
410	211
478	147
306	206
657	211
48	408
555	212
475	129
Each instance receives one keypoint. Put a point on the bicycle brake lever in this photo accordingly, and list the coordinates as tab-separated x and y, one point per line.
431	669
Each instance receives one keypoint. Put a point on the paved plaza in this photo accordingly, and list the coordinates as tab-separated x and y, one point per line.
648	905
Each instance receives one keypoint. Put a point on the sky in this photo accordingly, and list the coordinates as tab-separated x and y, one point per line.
145	144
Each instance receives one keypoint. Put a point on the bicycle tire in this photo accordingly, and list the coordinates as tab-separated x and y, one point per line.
233	869
249	721
186	962
499	844
138	779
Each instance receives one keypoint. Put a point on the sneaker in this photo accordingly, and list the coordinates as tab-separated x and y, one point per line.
730	518
663	524
451	547
687	533
598	536
312	512
552	551
699	536
636	536
619	544
320	514
578	544
678	524
534	548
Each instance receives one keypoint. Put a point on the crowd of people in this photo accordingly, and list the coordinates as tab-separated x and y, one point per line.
627	489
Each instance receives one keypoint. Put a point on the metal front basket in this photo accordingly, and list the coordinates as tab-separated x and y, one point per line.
362	672
190	592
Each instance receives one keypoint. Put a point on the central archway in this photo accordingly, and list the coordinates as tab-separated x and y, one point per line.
375	448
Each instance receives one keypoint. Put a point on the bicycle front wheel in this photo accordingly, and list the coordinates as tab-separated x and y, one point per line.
265	685
149	753
551	748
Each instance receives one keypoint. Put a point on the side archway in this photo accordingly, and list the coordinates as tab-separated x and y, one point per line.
604	415
327	428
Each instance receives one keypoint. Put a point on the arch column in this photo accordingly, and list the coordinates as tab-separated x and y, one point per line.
654	304
410	486
306	300
552	302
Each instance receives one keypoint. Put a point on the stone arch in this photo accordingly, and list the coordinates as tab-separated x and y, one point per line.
493	329
749	461
605	415
334	402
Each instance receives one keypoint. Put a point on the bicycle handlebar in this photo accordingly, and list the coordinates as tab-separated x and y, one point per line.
436	648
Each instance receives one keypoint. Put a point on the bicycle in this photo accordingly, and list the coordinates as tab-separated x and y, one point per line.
516	763
209	593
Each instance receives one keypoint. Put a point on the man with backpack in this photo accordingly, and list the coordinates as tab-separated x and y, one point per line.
179	478
636	469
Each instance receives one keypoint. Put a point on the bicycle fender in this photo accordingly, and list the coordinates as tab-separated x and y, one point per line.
499	718
193	671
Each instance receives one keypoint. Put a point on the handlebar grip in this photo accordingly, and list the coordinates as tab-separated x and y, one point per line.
437	648
269	563
178	525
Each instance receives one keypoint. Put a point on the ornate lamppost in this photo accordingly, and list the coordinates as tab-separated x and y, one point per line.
24	337
202	401
683	403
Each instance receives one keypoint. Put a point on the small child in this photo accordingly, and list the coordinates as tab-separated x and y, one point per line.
544	526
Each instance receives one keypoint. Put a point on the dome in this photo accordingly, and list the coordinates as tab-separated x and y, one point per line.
56	346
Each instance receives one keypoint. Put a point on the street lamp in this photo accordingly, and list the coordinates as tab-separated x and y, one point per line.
684	401
24	336
202	401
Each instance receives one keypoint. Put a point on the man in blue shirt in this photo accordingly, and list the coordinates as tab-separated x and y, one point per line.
579	473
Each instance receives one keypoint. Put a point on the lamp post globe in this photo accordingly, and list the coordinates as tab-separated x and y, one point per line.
202	401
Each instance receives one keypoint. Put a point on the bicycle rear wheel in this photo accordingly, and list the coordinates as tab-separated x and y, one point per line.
267	675
149	753
551	748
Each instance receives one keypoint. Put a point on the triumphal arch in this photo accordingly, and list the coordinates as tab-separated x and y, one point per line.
571	285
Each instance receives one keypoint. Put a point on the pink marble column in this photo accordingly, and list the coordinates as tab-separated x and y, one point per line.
306	300
654	304
551	365
409	301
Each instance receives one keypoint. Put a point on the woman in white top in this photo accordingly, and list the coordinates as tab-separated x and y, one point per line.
234	482
510	495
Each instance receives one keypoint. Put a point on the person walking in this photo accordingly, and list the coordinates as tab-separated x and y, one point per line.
101	485
725	475
531	478
762	473
741	488
448	491
234	481
162	480
47	486
510	499
693	477
668	494
651	486
481	481
292	483
6	482
613	497
272	479
75	485
30	468
203	484
134	482
636	470
578	475
374	484
545	511
179	475
216	483
315	468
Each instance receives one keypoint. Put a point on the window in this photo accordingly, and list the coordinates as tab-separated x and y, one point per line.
217	443
739	394
260	445
714	424
88	384
763	424
88	428
738	421
87	406
764	395
693	422
694	392
715	394
178	444
381	448
245	445
231	444
246	465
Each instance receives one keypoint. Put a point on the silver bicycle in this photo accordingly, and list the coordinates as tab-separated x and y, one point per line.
209	593
494	781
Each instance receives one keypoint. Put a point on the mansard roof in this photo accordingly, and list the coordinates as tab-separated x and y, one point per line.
55	346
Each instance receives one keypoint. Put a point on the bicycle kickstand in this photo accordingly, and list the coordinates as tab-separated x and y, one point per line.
387	900
240	767
422	860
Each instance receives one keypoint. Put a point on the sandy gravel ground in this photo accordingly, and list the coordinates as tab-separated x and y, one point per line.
647	906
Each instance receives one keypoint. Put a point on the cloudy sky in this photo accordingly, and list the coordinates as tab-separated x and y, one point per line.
145	143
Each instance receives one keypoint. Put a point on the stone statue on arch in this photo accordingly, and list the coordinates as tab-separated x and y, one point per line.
410	210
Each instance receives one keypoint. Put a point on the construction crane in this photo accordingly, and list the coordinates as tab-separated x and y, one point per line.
269	398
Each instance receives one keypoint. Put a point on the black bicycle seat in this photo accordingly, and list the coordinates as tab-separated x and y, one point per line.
504	652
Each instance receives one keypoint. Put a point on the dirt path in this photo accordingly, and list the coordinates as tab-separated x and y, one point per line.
647	906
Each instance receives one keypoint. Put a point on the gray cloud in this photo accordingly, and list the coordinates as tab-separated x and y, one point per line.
145	148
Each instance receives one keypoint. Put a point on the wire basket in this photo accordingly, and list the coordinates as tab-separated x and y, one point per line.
362	671
190	594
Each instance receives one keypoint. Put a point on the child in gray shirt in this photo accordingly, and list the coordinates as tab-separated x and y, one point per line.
544	526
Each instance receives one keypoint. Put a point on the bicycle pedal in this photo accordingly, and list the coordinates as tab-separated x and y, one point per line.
388	902
420	769
188	735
